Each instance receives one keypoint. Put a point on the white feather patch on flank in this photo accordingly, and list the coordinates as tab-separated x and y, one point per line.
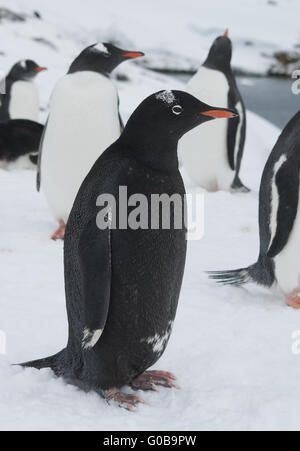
239	109
159	342
101	48
90	337
275	199
166	97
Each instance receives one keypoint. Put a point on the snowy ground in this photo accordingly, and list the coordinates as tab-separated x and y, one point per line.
231	349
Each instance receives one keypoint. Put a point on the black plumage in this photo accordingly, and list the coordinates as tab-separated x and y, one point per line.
19	137
126	283
286	180
219	58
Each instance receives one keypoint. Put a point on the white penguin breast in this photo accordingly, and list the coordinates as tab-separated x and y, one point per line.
24	101
287	262
203	150
83	122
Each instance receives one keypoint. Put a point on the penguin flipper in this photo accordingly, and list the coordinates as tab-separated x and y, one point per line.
38	175
287	183
232	130
121	123
95	264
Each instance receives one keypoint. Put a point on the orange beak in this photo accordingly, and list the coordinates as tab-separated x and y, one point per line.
220	113
226	34
133	54
41	69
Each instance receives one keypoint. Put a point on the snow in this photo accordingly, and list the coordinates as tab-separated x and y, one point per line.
174	34
230	348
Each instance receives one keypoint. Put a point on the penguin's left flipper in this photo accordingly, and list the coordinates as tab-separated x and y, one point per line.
38	175
233	125
287	183
95	264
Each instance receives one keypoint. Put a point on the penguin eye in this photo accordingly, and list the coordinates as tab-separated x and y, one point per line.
107	54
177	109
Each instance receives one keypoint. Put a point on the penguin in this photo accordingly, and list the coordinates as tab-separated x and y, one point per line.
84	120
279	222
122	283
19	144
21	100
219	167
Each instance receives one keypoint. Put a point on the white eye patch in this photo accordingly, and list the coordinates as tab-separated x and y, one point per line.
177	109
166	97
101	48
23	64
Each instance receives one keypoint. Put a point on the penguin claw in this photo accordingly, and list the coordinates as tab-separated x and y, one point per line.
149	380
124	400
60	232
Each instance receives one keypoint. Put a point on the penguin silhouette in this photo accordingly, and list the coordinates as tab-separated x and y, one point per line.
219	167
279	221
123	284
84	120
21	99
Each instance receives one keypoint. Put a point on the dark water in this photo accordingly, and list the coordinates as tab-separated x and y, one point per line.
271	98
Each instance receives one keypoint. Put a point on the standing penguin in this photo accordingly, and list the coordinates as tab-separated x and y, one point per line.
21	99
279	221
123	283
84	120
214	83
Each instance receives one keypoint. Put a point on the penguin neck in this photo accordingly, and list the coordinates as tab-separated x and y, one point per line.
74	70
222	66
157	152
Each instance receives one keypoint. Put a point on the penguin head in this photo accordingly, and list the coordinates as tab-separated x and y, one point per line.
220	53
25	70
171	114
102	58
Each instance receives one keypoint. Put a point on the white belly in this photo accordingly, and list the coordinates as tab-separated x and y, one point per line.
287	263
203	150
24	101
83	122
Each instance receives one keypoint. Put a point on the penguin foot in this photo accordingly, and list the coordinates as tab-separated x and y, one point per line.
60	232
128	402
293	299
150	379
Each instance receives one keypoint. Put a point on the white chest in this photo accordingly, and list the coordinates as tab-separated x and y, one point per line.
83	122
204	149
24	101
287	263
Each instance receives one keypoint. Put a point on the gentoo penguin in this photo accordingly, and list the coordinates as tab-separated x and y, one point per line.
279	221
122	283
214	83
19	143
84	120
21	100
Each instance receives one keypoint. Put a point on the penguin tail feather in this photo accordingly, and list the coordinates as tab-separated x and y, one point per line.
47	362
235	277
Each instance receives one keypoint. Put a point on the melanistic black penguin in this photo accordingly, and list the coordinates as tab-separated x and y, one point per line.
214	83
123	283
19	143
21	99
279	221
84	120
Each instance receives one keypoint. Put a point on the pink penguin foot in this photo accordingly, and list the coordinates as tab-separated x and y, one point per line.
149	380
60	232
293	299
128	402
